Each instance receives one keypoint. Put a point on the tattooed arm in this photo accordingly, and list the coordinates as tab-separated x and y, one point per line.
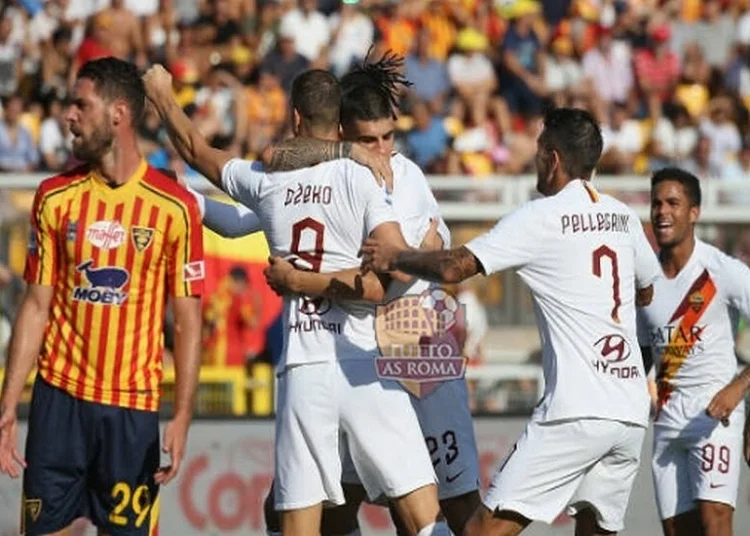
447	266
299	153
344	285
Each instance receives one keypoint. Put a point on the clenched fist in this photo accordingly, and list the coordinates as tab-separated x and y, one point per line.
158	82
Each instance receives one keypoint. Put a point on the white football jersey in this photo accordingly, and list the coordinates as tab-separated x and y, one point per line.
690	325
318	218
583	255
414	205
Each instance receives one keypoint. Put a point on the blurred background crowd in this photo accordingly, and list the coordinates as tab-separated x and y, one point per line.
669	80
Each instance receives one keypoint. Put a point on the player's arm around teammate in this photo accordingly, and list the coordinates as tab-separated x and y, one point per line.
210	162
344	285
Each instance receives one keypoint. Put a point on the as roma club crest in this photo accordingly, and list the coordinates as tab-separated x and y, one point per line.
696	301
142	237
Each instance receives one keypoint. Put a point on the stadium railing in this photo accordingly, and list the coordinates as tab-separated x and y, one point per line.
222	391
723	202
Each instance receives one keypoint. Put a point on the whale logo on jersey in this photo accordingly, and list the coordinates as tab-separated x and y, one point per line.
104	284
614	348
421	339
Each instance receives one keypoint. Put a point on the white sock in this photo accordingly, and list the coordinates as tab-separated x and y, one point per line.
272	533
436	529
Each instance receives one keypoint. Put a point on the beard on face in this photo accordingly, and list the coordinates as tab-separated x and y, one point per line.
94	146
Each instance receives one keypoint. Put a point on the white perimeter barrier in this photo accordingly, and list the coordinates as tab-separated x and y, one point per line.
493	197
229	465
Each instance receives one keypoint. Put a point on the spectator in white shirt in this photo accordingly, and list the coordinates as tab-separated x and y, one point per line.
609	67
352	35
674	138
622	141
722	131
310	29
472	75
54	138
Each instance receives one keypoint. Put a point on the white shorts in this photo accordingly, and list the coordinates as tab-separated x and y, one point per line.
576	464
702	464
445	421
318	404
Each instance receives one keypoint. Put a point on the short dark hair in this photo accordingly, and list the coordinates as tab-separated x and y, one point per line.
117	79
576	137
316	95
370	90
690	182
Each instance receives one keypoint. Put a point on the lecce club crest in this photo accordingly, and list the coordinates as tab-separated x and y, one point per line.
142	237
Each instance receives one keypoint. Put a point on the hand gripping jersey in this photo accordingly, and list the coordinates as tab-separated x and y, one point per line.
583	255
690	327
316	217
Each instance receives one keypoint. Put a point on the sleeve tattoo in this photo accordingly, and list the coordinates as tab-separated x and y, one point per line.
305	152
446	266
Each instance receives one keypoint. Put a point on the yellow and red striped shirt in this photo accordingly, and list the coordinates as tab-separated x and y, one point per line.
113	256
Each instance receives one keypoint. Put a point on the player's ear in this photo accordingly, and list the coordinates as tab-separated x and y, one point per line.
296	121
119	112
695	214
555	162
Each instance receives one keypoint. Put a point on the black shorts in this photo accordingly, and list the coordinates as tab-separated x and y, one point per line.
91	460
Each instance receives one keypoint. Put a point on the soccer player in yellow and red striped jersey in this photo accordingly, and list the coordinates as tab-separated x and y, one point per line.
111	242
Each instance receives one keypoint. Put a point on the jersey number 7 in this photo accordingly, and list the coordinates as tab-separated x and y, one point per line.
597	256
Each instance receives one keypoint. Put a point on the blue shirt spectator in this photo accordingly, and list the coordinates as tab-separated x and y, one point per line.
429	76
428	140
18	152
521	83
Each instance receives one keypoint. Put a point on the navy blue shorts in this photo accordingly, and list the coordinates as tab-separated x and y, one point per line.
91	460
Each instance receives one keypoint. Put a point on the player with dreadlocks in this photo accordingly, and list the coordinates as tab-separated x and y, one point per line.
370	96
368	99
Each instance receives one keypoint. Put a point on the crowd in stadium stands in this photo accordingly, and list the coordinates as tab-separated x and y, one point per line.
668	79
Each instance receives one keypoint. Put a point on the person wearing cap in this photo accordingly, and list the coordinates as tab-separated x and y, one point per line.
657	68
470	71
184	79
522	84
